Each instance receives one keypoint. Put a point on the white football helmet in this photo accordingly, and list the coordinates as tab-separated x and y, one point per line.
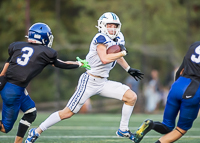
106	18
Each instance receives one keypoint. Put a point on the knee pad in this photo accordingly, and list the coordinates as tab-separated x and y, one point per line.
29	116
25	122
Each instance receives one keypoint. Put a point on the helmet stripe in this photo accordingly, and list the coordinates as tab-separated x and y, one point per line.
114	16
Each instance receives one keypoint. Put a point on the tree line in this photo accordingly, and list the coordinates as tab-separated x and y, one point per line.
157	35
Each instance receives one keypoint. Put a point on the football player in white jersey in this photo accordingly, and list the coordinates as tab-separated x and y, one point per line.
95	81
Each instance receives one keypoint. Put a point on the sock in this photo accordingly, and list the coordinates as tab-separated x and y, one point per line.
160	128
51	120
22	128
157	141
126	114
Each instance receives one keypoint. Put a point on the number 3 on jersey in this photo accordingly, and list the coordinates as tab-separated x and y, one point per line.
194	58
27	53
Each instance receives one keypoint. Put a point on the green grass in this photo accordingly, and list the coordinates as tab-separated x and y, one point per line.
96	128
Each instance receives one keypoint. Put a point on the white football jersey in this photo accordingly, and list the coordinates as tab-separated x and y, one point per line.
97	67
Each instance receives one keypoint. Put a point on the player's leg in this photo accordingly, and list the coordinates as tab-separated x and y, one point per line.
34	133
185	123
73	106
54	118
24	124
2	129
171	110
11	106
122	92
129	99
172	136
189	109
28	107
188	113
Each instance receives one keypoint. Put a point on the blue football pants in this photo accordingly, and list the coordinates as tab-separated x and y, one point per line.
14	99
187	108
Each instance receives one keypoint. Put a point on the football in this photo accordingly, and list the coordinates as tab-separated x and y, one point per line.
113	49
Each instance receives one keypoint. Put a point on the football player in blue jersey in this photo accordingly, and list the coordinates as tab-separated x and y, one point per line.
27	59
95	81
183	98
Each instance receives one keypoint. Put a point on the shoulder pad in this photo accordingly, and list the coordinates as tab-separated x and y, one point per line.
100	39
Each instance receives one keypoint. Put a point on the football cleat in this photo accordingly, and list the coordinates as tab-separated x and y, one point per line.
32	136
142	130
126	134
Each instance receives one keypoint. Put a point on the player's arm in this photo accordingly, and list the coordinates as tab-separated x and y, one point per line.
5	68
71	64
65	64
6	65
3	72
122	62
137	74
179	71
108	58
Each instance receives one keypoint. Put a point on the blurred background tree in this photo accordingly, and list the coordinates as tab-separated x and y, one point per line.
157	34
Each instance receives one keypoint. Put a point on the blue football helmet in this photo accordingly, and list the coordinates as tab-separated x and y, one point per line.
40	33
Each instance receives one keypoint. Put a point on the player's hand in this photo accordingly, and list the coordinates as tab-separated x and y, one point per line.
84	63
135	73
123	48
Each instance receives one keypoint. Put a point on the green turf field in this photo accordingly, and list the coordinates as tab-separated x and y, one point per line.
96	128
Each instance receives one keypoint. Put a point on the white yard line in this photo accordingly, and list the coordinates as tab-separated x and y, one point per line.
94	136
96	128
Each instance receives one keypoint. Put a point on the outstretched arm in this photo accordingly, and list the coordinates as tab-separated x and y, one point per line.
65	64
71	64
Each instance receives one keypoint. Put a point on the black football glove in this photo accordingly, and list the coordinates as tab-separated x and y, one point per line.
123	48
135	73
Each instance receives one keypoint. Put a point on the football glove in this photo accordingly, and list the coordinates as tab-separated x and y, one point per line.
84	63
123	48
135	73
